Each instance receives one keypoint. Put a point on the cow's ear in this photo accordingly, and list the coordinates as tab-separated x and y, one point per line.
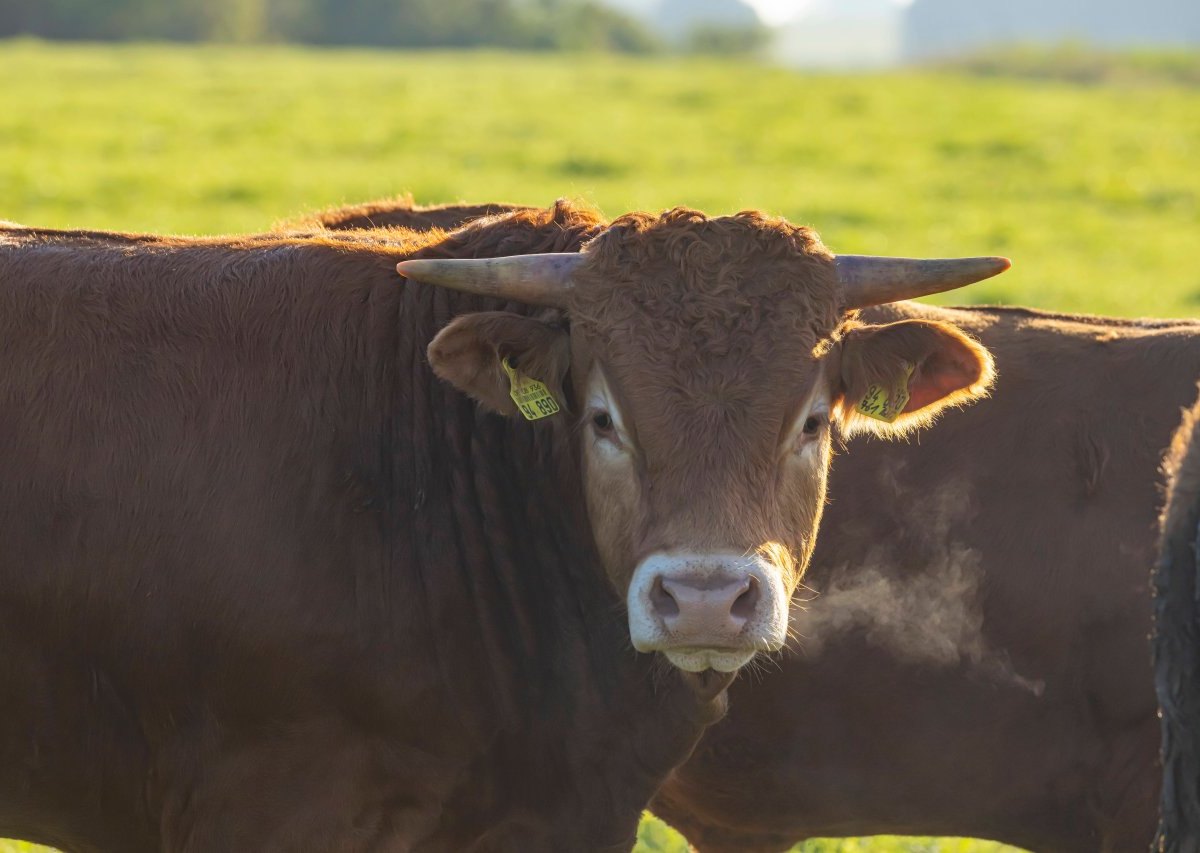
899	376
471	352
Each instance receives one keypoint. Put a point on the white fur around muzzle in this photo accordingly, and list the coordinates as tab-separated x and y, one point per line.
764	630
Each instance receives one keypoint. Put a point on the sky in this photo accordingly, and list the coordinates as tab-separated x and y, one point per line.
779	11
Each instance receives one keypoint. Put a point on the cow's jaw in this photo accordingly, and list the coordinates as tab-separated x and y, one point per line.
707	610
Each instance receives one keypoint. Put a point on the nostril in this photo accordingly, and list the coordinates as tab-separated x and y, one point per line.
746	603
662	601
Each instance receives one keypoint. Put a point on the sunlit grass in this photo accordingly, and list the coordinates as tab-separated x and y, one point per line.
1094	191
657	837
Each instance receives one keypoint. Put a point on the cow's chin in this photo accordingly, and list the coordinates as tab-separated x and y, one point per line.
700	660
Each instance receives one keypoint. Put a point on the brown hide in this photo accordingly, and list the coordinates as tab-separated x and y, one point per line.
268	585
975	659
1176	646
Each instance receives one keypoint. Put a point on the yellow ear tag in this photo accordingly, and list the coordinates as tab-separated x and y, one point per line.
532	397
886	405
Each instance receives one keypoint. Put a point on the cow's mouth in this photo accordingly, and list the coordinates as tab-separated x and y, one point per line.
703	659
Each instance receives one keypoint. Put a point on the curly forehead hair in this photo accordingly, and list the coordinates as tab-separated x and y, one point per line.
690	236
711	280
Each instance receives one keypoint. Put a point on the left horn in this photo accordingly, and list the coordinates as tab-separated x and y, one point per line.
534	279
869	280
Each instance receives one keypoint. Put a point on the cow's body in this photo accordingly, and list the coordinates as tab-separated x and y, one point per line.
1177	642
1045	531
267	584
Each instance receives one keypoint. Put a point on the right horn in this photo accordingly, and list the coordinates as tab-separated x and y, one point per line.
869	280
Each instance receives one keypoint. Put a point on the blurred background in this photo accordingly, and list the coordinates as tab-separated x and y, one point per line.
801	33
1063	133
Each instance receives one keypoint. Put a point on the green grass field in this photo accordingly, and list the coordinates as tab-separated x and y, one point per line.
1093	190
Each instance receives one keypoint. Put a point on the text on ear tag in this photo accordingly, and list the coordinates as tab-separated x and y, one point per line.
532	397
887	404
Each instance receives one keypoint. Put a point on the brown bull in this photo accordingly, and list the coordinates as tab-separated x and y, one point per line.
1176	645
974	659
268	585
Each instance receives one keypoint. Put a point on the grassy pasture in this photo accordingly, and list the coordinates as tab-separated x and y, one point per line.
1094	190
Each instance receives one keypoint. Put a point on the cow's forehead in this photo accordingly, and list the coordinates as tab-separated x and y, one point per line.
706	312
690	290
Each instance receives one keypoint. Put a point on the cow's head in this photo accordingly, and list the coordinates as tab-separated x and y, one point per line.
707	362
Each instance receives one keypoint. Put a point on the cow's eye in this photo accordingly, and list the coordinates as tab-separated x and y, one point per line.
602	422
813	424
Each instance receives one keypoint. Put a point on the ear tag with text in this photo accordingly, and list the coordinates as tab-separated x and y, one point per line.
887	404
532	397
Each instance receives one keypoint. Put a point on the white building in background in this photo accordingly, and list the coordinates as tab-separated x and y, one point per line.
842	34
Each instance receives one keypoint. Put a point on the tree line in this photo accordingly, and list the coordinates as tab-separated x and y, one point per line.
517	24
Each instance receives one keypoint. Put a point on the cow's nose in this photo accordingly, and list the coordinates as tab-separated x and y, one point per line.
705	610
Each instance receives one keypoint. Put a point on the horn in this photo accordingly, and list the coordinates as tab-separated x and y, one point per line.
534	279
868	280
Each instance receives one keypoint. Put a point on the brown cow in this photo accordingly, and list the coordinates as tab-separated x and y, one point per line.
974	660
268	585
1176	645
